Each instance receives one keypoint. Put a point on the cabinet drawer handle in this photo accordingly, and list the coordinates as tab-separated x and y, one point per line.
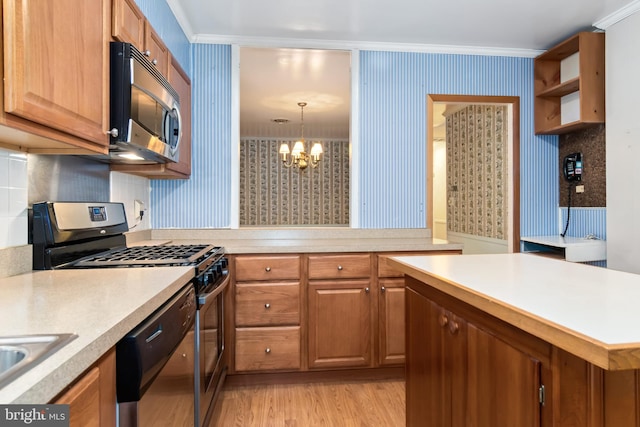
339	267
382	289
113	132
267	350
366	290
147	53
444	320
453	328
267	306
154	61
268	269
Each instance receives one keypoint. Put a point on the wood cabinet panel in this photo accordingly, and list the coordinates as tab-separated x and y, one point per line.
155	49
281	267
339	266
92	399
264	304
385	270
340	328
471	376
502	383
39	43
266	349
127	23
391	314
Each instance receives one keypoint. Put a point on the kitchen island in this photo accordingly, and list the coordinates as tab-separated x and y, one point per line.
519	339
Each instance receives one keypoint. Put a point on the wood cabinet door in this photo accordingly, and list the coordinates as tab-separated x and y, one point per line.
427	387
340	324
502	383
68	39
391	321
155	49
92	399
128	23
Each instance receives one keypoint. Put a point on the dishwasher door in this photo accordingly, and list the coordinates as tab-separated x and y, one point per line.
165	380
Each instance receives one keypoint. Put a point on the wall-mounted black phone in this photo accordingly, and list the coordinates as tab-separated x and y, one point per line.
572	167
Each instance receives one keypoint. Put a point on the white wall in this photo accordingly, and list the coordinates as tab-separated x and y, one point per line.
13	199
623	144
127	188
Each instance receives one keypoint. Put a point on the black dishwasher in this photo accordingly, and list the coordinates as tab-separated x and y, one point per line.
155	378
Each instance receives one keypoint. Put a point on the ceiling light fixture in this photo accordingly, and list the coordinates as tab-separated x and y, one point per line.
299	156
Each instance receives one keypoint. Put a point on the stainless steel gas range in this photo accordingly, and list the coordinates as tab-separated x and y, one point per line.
148	360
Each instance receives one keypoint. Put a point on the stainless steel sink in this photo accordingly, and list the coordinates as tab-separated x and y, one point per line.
21	353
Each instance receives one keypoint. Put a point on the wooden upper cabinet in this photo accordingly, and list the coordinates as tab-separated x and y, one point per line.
57	67
569	85
155	49
128	23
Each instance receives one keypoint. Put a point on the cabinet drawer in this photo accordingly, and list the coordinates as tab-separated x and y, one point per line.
267	268
267	304
384	269
339	266
264	349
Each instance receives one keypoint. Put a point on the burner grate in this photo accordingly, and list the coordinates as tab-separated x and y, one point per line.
149	256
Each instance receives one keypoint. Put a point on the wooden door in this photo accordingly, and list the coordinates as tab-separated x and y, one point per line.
68	39
155	49
502	383
340	324
391	321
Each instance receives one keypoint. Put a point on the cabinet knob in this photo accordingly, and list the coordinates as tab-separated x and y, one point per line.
366	290
113	132
154	62
147	53
454	327
267	306
267	350
382	289
268	269
444	320
339	267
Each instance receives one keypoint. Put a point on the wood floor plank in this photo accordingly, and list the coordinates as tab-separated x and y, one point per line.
344	404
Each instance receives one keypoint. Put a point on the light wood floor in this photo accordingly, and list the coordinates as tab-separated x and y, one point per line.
341	404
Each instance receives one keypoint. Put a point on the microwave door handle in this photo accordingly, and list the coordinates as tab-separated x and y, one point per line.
179	140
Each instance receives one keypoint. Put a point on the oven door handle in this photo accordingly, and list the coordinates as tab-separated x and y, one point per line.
202	298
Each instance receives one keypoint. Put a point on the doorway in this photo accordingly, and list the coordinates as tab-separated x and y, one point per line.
490	216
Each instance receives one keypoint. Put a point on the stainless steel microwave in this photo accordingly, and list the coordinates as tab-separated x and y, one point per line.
145	110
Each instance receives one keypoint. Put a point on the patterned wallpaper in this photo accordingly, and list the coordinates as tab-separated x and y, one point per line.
272	195
477	171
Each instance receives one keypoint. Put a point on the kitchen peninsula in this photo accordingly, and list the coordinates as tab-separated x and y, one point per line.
519	339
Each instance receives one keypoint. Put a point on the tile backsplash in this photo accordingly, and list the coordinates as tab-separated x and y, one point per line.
13	198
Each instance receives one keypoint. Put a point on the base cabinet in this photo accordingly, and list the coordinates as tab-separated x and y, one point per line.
461	375
92	398
340	333
465	367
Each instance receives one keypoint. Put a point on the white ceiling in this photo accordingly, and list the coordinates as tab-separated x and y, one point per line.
271	89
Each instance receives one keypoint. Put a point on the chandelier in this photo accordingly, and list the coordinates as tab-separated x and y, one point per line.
299	156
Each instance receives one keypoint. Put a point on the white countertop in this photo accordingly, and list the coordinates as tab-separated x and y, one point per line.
99	305
589	311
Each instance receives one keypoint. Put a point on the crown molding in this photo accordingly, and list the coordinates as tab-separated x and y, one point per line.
618	15
362	45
